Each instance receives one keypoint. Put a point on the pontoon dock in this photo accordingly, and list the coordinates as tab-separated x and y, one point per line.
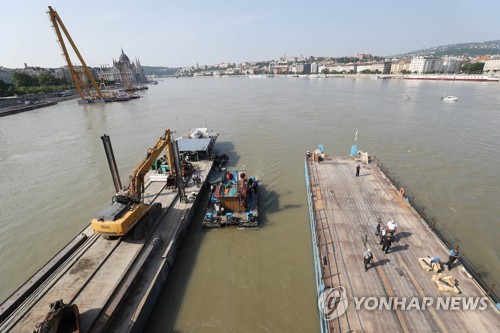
343	211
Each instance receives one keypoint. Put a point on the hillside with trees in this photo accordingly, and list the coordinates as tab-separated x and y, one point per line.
473	49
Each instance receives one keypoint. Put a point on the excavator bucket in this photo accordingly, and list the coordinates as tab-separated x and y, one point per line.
62	318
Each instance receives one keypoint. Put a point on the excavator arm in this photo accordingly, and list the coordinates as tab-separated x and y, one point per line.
136	186
128	207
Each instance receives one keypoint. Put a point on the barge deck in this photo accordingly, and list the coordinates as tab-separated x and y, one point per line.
343	211
114	283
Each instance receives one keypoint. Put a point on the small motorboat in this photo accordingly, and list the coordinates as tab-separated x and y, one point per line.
449	98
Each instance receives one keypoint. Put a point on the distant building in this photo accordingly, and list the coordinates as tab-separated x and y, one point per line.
314	68
364	56
124	71
492	65
224	65
6	74
422	65
397	67
343	68
296	68
280	69
307	68
34	70
383	67
363	67
59	73
233	71
450	65
482	59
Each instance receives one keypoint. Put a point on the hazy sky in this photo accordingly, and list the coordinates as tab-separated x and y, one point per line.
179	33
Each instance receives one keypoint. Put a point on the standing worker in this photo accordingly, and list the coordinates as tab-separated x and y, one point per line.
383	232
378	226
357	170
454	255
367	258
386	243
392	227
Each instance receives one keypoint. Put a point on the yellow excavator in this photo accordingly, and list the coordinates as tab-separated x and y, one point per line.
128	207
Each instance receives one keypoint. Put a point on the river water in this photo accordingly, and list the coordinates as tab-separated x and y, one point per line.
54	177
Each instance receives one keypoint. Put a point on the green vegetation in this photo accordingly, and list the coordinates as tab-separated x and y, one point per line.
472	68
26	84
369	71
159	71
6	89
474	49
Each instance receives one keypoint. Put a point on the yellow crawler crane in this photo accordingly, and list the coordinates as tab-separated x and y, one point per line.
80	77
128	207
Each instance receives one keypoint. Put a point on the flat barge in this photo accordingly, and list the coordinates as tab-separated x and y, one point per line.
114	282
398	292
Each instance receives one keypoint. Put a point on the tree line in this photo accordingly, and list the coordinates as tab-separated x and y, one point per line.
23	84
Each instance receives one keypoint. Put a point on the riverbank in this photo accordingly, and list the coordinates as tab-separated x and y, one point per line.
10	110
12	106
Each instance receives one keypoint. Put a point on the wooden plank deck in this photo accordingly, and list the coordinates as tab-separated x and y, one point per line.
345	209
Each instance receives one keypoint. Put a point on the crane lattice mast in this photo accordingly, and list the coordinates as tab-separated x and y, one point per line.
81	85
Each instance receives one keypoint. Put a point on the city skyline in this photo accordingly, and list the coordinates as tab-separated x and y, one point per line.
175	34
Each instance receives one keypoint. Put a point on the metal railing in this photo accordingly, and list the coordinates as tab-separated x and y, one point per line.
316	257
431	222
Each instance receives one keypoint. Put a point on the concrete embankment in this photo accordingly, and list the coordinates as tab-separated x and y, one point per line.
10	110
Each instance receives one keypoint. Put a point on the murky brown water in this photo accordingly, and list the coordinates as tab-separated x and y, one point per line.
54	177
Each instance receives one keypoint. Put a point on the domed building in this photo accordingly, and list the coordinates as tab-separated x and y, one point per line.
124	71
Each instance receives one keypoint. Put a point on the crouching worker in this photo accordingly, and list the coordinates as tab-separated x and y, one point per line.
436	264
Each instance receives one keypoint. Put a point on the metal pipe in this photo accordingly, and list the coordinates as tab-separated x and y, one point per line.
108	149
178	173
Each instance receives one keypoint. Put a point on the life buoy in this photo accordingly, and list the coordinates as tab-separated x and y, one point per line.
402	191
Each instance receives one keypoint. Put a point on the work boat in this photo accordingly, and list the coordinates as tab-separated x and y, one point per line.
234	200
449	98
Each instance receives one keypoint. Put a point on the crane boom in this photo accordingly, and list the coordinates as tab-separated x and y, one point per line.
58	25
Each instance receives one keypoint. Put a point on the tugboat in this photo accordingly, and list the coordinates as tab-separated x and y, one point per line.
234	200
